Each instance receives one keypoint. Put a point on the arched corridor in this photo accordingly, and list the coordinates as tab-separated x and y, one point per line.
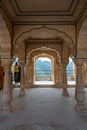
43	63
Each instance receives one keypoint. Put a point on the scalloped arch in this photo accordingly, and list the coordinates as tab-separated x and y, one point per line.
44	32
44	29
43	48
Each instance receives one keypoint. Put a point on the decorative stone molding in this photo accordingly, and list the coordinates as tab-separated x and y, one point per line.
79	92
7	90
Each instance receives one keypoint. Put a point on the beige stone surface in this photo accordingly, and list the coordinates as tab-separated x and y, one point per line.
43	109
56	29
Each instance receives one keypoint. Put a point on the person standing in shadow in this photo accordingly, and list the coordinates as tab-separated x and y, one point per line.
16	73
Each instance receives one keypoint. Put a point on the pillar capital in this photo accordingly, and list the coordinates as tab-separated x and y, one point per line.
22	64
64	63
7	63
79	62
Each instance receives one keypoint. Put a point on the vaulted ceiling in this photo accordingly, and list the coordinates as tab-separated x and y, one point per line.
44	11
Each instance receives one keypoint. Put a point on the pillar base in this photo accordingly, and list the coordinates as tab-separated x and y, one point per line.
7	108
65	92
22	92
80	107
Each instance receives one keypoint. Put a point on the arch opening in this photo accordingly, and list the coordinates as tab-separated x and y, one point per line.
15	70
43	70
71	72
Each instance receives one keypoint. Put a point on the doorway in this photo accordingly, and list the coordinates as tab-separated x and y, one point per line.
44	71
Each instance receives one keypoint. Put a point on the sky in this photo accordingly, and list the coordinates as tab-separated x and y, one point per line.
44	59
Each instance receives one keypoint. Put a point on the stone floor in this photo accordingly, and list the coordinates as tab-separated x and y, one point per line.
44	82
43	109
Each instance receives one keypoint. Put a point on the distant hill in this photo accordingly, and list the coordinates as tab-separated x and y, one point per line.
43	67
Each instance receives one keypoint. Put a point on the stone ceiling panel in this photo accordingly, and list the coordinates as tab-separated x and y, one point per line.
43	11
42	5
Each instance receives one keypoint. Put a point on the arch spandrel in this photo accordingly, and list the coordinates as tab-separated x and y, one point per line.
82	41
5	40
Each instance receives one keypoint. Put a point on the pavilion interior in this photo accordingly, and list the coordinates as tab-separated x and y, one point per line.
53	29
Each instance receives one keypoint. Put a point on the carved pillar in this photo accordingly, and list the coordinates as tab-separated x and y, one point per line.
56	75
7	90
65	91
85	73
26	75
22	81
60	74
31	75
79	92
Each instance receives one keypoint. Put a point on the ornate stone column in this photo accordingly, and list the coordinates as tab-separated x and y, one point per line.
65	91
85	73
60	74
22	80
56	75
7	90
26	75
79	91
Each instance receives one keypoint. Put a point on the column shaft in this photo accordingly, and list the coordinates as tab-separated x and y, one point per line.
79	91
7	90
65	91
22	81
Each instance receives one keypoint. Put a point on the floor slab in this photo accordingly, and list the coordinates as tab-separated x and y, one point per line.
43	109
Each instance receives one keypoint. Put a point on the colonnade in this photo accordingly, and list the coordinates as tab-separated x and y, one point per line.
7	89
7	86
